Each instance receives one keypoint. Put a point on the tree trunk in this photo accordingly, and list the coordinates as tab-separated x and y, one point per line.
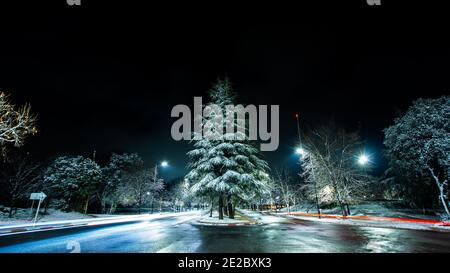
103	206
86	205
288	207
348	208
338	197
225	207
112	208
211	208
230	207
233	209
46	206
344	211
11	208
139	202
220	207
441	186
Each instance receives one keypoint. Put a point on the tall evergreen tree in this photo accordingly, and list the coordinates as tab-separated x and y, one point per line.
225	165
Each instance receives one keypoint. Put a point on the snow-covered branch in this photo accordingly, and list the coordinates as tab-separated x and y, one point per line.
15	124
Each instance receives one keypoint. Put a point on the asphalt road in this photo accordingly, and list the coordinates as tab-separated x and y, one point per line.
180	234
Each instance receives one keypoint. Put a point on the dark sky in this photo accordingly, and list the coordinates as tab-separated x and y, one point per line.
106	78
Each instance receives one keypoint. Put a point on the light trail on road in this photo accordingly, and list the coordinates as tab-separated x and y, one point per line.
178	233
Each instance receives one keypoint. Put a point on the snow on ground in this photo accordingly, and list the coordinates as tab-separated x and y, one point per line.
262	217
383	209
214	220
269	218
369	223
24	216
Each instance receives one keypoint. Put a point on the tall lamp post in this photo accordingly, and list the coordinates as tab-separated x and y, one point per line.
302	153
155	179
162	164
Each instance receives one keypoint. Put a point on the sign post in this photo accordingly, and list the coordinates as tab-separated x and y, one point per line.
32	205
37	196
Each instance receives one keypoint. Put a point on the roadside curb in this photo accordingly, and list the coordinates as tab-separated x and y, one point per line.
249	223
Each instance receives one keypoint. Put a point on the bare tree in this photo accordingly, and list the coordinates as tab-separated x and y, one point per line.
330	169
283	187
21	175
138	187
15	124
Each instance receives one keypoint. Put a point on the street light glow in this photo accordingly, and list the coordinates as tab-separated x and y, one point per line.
363	159
164	164
300	151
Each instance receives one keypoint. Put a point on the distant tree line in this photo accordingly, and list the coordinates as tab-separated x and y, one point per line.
77	183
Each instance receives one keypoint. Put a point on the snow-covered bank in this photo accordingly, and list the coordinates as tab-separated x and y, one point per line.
372	223
239	220
356	220
25	216
373	214
383	209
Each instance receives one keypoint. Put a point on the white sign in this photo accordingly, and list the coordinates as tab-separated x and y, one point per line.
38	196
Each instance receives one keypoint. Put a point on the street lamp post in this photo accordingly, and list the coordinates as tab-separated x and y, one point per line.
302	153
163	164
155	179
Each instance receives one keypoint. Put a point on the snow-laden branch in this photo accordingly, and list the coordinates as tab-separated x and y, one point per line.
15	124
441	186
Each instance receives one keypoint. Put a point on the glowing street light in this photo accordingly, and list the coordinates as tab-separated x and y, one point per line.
300	151
163	164
363	160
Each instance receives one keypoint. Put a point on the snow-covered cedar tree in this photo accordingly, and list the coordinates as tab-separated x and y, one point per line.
73	181
15	123
139	187
330	169
113	173
226	166
418	145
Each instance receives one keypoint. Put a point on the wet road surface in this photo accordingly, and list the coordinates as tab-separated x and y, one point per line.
276	234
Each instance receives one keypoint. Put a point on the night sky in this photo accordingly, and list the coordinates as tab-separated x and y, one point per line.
106	78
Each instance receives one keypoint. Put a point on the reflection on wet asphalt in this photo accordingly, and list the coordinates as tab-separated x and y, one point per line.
180	234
